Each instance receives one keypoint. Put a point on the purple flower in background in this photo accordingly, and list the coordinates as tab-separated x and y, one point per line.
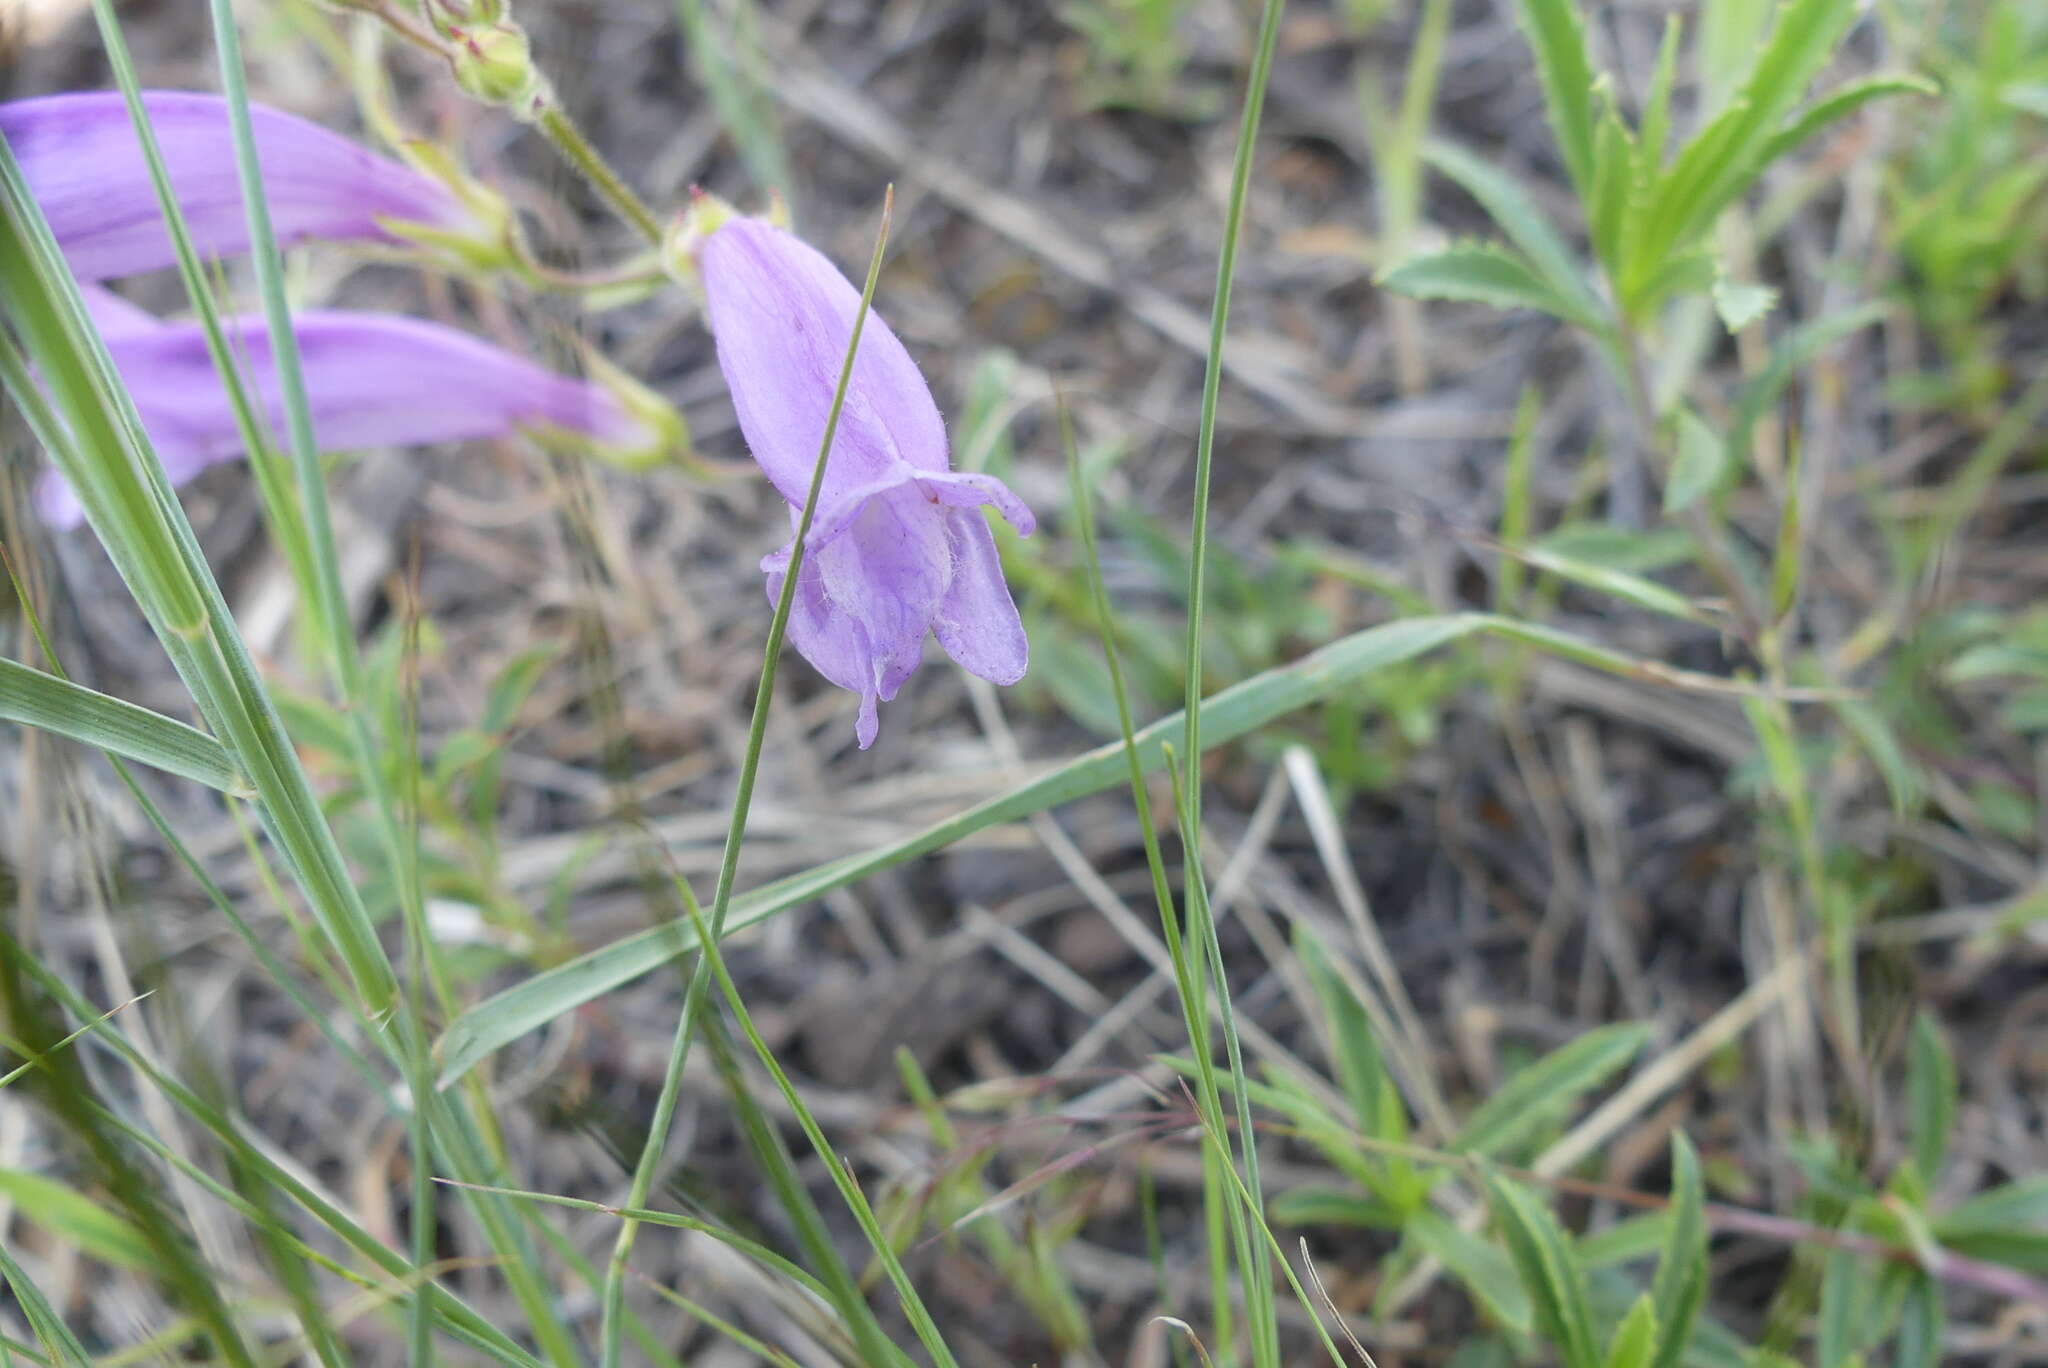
898	547
371	380
84	165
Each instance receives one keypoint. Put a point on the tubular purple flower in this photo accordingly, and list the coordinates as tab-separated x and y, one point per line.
898	547
371	380
84	165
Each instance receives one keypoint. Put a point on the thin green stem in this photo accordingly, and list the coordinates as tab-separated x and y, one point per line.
577	150
1254	1268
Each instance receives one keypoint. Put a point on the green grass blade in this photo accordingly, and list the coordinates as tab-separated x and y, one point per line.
1230	714
36	699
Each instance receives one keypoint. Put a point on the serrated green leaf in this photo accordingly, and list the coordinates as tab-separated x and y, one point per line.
1931	1096
1656	122
1481	273
1511	207
1741	303
1635	1339
1484	1268
1548	1088
1543	1260
1559	42
35	699
1725	157
1701	463
1607	206
1680	1287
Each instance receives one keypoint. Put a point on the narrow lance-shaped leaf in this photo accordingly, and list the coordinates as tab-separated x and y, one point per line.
1680	1288
1559	42
1548	1269
1510	206
56	705
1482	273
1931	1096
1548	1088
1635	1339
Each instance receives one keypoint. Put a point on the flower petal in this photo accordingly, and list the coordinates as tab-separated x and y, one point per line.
371	380
782	316
977	621
970	489
84	165
866	600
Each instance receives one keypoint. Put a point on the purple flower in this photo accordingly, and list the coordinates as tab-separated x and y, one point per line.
371	380
84	165
898	547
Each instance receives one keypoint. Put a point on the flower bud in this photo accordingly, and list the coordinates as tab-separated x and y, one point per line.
494	63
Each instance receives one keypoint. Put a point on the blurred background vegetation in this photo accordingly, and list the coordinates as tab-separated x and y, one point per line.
1624	833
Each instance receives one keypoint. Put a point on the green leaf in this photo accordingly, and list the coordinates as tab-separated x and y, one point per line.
50	1329
1701	465
1511	207
1484	1268
1920	1324
1792	352
1635	1338
76	1220
1656	123
1607	207
1559	42
1320	1206
1637	1237
1680	1288
1630	588
1354	1052
509	691
1838	1327
1741	303
1873	731
1543	1261
1482	273
1724	160
56	705
1839	104
1684	273
1548	1088
1931	1096
2007	1225
2021	1205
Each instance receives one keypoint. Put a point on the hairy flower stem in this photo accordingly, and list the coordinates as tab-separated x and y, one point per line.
576	149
